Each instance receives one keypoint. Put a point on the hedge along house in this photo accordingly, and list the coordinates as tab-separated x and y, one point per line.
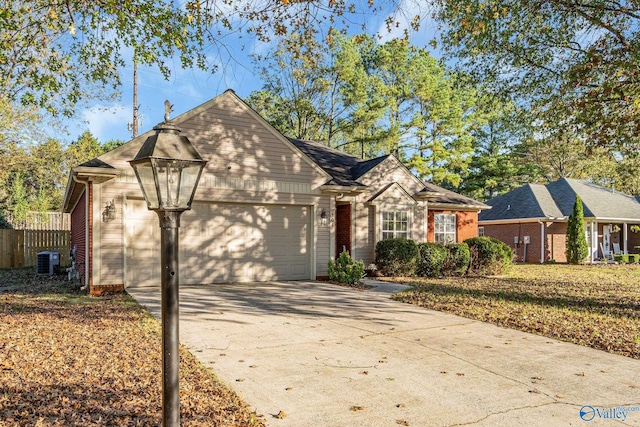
267	207
532	219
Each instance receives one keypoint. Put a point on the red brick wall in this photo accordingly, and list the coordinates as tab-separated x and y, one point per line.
466	224
89	262
633	239
555	240
78	228
343	228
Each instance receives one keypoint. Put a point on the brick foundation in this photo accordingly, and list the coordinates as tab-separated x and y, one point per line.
101	289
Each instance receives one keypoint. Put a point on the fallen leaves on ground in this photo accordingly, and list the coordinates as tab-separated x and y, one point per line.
595	306
67	359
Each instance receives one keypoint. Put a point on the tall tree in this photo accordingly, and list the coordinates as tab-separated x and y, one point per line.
443	124
577	249
577	57
56	53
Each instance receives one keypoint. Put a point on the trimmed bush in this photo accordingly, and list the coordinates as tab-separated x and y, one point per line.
345	270
396	257
621	259
431	257
488	256
634	258
456	262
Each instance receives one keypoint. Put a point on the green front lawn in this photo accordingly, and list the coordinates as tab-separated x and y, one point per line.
595	306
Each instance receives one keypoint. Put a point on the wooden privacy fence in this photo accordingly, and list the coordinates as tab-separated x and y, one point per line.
20	248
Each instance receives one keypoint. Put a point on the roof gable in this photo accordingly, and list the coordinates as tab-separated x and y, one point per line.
392	194
448	197
231	135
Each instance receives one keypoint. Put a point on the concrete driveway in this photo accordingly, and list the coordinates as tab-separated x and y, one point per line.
325	355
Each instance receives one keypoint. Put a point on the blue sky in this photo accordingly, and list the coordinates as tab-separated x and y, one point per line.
186	89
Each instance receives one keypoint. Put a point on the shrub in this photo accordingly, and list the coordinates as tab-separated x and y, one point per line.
396	257
431	256
621	259
345	270
627	258
457	259
488	255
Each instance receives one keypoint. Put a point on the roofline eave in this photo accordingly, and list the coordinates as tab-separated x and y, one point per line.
341	189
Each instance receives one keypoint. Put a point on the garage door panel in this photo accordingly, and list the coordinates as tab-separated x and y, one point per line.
226	243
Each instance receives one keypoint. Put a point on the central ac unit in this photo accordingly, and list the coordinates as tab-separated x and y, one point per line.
48	262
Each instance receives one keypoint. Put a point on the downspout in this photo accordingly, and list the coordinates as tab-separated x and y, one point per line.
86	227
542	242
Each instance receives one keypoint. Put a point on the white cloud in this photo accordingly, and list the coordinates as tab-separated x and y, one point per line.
108	122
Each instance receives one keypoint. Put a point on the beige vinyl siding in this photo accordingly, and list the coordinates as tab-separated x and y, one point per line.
111	237
367	215
249	163
237	144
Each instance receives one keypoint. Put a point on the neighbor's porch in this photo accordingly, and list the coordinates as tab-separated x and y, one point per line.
607	239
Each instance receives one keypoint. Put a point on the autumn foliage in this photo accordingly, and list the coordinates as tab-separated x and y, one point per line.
67	359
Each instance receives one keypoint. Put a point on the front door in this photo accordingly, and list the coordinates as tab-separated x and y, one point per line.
343	228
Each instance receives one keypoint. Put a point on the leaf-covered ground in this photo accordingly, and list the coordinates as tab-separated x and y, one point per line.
596	306
67	359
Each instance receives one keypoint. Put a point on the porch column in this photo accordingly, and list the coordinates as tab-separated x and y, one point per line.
625	237
594	240
543	242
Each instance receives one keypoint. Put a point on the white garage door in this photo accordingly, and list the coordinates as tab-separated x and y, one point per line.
223	242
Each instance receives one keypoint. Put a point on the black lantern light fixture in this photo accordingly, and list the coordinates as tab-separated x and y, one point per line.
168	169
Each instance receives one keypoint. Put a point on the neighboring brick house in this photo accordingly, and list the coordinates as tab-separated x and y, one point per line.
267	207
532	219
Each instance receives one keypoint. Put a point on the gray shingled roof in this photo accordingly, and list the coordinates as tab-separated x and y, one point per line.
451	198
528	201
556	200
346	169
96	163
339	165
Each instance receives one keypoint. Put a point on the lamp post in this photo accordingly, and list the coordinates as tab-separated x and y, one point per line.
168	169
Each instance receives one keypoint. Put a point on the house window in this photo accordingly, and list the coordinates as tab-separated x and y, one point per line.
395	224
480	231
445	228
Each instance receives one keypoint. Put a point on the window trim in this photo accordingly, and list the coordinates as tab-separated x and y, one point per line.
406	234
453	233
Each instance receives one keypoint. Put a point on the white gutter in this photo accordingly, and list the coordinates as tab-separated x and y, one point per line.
542	242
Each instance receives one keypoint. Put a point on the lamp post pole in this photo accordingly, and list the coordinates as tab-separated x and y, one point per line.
169	224
168	169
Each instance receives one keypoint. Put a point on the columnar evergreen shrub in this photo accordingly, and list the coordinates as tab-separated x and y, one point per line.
396	257
489	255
456	262
577	249
431	256
346	270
